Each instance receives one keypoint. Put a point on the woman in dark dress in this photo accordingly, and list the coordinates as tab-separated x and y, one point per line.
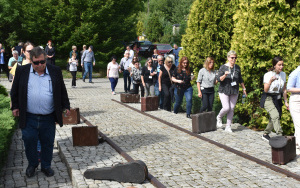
165	82
50	51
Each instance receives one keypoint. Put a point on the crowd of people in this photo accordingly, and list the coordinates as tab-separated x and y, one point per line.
160	76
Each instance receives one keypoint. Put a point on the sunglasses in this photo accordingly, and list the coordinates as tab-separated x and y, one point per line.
233	57
28	51
170	61
39	62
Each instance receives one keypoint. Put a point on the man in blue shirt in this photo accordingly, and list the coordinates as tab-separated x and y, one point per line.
176	54
3	65
88	58
38	98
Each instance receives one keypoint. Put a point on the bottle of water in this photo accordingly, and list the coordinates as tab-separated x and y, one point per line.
243	99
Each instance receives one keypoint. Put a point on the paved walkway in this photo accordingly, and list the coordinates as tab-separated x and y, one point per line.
175	158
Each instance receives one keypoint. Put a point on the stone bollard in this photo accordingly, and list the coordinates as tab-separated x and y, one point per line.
149	103
130	98
283	149
85	136
203	122
132	172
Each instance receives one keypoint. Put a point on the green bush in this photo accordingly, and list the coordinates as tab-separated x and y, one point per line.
209	32
264	29
7	127
3	90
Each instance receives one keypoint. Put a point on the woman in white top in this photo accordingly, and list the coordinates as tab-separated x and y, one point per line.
73	68
113	73
274	87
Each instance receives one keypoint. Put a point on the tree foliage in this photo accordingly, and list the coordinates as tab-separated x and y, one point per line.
101	23
169	12
209	31
264	29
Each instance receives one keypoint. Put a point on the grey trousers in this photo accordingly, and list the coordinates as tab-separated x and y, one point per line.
149	89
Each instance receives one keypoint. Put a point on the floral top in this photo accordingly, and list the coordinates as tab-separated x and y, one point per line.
182	76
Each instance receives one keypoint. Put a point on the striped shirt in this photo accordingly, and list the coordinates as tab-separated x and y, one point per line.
40	93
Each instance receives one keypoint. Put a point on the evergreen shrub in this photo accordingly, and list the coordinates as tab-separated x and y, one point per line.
264	29
209	32
7	127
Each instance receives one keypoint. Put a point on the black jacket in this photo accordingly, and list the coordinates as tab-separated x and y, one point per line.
20	87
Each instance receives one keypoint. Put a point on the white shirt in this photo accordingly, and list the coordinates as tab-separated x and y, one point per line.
131	53
73	64
125	62
277	85
113	70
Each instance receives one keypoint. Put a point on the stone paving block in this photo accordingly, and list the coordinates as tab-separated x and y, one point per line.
165	150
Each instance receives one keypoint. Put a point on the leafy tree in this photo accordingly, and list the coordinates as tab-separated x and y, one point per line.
101	23
209	31
154	29
264	29
169	12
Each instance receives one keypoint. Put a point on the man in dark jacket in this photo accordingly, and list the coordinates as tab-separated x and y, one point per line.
38	98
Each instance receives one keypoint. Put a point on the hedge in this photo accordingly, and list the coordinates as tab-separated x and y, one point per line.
7	125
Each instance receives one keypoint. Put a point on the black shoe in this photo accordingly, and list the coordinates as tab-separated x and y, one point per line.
30	171
265	137
91	82
48	171
83	80
188	116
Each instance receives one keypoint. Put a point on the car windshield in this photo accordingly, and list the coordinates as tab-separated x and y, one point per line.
146	43
164	47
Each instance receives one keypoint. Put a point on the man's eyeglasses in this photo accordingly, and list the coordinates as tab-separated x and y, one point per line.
39	62
160	60
233	57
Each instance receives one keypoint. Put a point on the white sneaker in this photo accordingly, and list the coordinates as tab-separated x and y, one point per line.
219	122
113	93
228	129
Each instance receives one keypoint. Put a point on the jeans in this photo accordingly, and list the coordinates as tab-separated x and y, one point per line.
4	68
207	102
136	89
176	62
160	95
88	68
73	73
126	76
188	93
113	83
42	128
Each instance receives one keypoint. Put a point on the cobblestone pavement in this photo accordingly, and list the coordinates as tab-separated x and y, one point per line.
175	158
